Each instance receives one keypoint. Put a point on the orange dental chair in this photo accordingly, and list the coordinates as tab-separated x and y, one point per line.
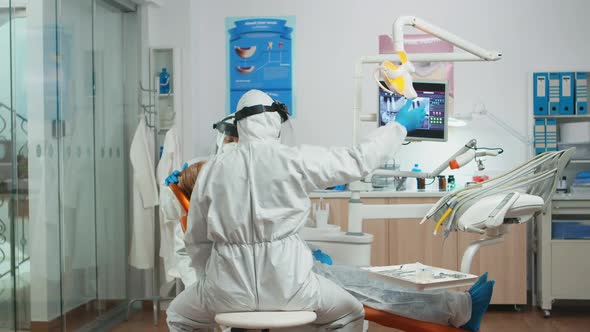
373	315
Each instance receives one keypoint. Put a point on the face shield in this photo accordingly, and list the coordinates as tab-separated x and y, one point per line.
227	133
287	134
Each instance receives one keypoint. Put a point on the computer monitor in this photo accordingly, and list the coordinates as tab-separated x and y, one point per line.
435	95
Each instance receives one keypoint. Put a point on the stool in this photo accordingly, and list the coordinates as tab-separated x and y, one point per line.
264	320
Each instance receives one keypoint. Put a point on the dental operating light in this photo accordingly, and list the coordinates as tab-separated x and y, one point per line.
396	69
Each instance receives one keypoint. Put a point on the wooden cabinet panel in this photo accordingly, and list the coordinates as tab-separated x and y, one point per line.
410	242
380	247
506	263
378	227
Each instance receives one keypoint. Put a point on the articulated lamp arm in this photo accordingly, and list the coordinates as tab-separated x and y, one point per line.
431	29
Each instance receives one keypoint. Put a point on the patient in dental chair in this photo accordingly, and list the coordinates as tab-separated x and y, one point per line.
458	309
188	177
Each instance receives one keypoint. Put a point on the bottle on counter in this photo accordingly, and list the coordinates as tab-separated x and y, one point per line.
451	183
442	183
420	182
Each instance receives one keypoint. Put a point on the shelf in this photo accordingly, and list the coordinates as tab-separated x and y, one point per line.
165	95
585	116
581	241
580	161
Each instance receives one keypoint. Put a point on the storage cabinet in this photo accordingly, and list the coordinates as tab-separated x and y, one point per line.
563	265
398	241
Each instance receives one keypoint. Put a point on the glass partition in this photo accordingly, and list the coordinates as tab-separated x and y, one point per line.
64	122
8	247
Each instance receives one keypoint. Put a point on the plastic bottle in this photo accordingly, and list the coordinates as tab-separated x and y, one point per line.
451	183
420	182
442	183
562	185
164	82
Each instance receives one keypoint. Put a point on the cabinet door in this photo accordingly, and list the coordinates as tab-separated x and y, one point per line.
410	242
378	227
506	263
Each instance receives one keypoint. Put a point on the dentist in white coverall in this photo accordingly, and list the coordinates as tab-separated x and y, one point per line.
246	211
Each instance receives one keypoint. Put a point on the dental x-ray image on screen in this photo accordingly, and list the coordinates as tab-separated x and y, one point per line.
433	94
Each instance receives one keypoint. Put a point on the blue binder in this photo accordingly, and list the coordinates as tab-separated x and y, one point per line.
566	96
541	93
551	135
582	93
539	135
554	93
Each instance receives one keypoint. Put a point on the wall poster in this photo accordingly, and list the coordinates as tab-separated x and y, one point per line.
260	56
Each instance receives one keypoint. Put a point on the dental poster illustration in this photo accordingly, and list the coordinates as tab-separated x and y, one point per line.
260	57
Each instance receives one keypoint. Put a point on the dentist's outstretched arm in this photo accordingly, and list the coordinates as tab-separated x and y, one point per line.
326	167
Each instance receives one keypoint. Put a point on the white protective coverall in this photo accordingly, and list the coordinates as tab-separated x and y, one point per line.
246	211
173	211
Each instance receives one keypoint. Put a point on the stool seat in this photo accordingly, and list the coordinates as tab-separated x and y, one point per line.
265	319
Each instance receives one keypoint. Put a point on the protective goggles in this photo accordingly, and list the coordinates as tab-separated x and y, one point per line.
226	128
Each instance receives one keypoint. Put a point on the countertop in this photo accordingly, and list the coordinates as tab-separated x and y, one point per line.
378	194
427	193
571	197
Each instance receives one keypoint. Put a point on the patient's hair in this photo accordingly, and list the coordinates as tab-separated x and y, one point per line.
188	178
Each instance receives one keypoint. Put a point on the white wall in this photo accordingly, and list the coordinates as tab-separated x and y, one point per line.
331	35
169	26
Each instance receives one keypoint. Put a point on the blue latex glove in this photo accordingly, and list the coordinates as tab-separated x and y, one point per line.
411	119
173	178
322	257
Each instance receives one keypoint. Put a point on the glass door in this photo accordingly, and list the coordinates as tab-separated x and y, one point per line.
67	100
14	212
93	160
19	212
7	240
77	163
111	161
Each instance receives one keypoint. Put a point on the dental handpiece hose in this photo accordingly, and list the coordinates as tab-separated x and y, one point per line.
470	146
468	156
